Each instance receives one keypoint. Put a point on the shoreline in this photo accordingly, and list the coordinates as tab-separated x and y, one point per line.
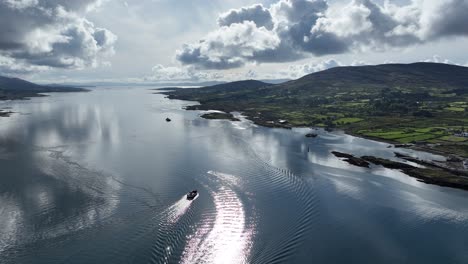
434	173
272	124
6	112
429	174
28	95
268	124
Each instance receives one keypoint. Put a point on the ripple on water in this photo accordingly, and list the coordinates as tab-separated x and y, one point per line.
223	236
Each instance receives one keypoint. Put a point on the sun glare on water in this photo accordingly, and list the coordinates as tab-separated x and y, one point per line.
224	237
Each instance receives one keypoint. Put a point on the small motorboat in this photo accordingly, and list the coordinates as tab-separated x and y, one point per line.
191	195
168	119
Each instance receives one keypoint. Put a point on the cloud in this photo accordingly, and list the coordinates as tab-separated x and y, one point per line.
294	29
438	59
172	73
298	70
51	34
161	73
229	46
10	66
256	13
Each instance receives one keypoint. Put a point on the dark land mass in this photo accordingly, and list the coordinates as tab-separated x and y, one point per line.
168	89
352	159
226	116
431	173
425	104
14	89
4	113
159	84
140	84
275	81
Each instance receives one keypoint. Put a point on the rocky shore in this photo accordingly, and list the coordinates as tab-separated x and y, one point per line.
431	172
360	162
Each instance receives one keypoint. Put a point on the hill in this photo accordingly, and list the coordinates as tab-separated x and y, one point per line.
219	92
14	88
404	103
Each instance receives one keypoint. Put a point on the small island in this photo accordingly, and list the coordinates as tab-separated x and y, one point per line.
219	115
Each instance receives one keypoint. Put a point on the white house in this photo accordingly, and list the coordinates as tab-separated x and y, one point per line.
461	134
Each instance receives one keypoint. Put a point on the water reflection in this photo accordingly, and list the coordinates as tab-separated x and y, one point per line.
224	236
44	193
98	178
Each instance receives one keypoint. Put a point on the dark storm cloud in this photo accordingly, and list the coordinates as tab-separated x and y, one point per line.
314	27
451	19
51	33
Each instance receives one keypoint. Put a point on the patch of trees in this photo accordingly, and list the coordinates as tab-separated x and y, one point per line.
423	113
391	102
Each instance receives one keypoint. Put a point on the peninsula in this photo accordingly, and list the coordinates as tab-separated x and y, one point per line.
16	89
423	104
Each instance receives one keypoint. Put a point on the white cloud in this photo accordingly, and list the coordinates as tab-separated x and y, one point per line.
161	73
438	59
257	13
298	70
229	46
9	66
51	34
314	27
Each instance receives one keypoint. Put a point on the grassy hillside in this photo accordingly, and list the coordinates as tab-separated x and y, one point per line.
14	88
405	103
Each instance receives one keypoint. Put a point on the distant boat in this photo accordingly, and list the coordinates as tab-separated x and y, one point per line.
168	119
191	195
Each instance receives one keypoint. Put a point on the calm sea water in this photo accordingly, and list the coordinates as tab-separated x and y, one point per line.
100	177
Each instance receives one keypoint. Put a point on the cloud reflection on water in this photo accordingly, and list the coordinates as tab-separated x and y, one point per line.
46	193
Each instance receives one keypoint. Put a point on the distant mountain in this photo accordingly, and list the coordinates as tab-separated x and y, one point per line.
219	92
15	88
414	77
365	81
157	84
144	84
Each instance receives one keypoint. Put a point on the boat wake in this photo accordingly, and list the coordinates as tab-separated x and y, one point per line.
224	235
177	210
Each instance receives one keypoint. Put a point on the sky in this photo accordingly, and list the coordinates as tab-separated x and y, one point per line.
141	41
